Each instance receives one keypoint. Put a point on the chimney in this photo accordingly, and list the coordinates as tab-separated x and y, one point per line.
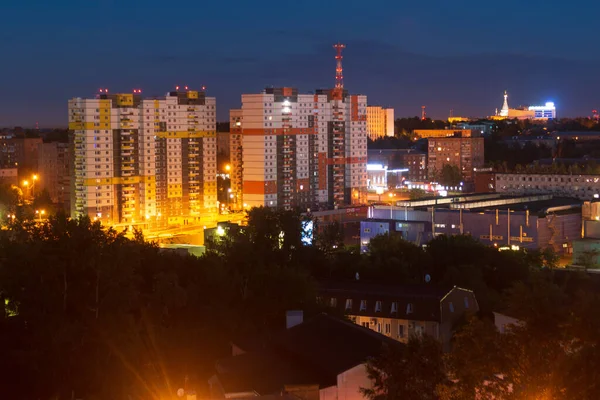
293	318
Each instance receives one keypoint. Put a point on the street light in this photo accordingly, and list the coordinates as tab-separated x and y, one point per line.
227	167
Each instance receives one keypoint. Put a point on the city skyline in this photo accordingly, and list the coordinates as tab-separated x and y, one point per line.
399	57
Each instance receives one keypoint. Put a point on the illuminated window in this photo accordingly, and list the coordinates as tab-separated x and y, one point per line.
348	304
394	307
363	305
409	308
378	306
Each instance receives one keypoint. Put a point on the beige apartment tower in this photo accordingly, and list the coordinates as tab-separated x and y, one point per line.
144	161
380	122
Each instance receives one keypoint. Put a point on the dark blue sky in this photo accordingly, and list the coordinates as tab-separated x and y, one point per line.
444	54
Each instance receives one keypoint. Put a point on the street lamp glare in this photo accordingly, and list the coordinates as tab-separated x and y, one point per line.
25	183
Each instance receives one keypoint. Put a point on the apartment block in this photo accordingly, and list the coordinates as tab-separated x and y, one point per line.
144	160
21	153
54	171
464	152
301	150
380	122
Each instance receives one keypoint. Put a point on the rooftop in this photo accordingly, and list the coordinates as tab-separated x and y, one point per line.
309	353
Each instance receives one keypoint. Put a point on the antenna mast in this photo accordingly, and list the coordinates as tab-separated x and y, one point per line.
339	70
423	113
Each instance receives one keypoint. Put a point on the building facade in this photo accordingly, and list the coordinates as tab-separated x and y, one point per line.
585	187
545	112
399	312
441	133
235	159
413	160
20	153
144	160
301	150
380	122
466	153
54	170
531	222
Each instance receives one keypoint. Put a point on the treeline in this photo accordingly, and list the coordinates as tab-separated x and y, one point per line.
550	351
95	314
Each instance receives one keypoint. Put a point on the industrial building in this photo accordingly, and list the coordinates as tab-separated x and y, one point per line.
380	122
301	150
149	161
535	222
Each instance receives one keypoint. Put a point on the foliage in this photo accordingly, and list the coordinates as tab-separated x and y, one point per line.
411	371
450	175
417	194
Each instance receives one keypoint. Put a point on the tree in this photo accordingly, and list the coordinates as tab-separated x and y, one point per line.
411	371
416	194
450	175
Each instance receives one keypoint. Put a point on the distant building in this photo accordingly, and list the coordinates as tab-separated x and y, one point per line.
21	153
223	144
9	176
485	180
466	153
55	172
442	133
394	159
483	128
545	112
576	136
400	311
513	113
585	187
322	359
380	122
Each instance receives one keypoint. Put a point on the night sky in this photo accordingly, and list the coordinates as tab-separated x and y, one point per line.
445	54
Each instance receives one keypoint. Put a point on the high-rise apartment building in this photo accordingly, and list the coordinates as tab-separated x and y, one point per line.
380	122
144	160
464	152
300	150
54	170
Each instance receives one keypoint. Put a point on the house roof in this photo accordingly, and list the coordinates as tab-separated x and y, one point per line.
314	352
410	302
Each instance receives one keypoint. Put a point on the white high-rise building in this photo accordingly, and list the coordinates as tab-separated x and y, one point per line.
144	161
301	150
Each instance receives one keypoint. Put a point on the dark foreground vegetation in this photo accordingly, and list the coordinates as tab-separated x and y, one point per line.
92	314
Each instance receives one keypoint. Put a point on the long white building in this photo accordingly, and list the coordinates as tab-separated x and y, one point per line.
144	161
301	150
585	187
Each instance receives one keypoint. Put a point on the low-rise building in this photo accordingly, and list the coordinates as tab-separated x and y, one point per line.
400	311
442	133
323	359
585	187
